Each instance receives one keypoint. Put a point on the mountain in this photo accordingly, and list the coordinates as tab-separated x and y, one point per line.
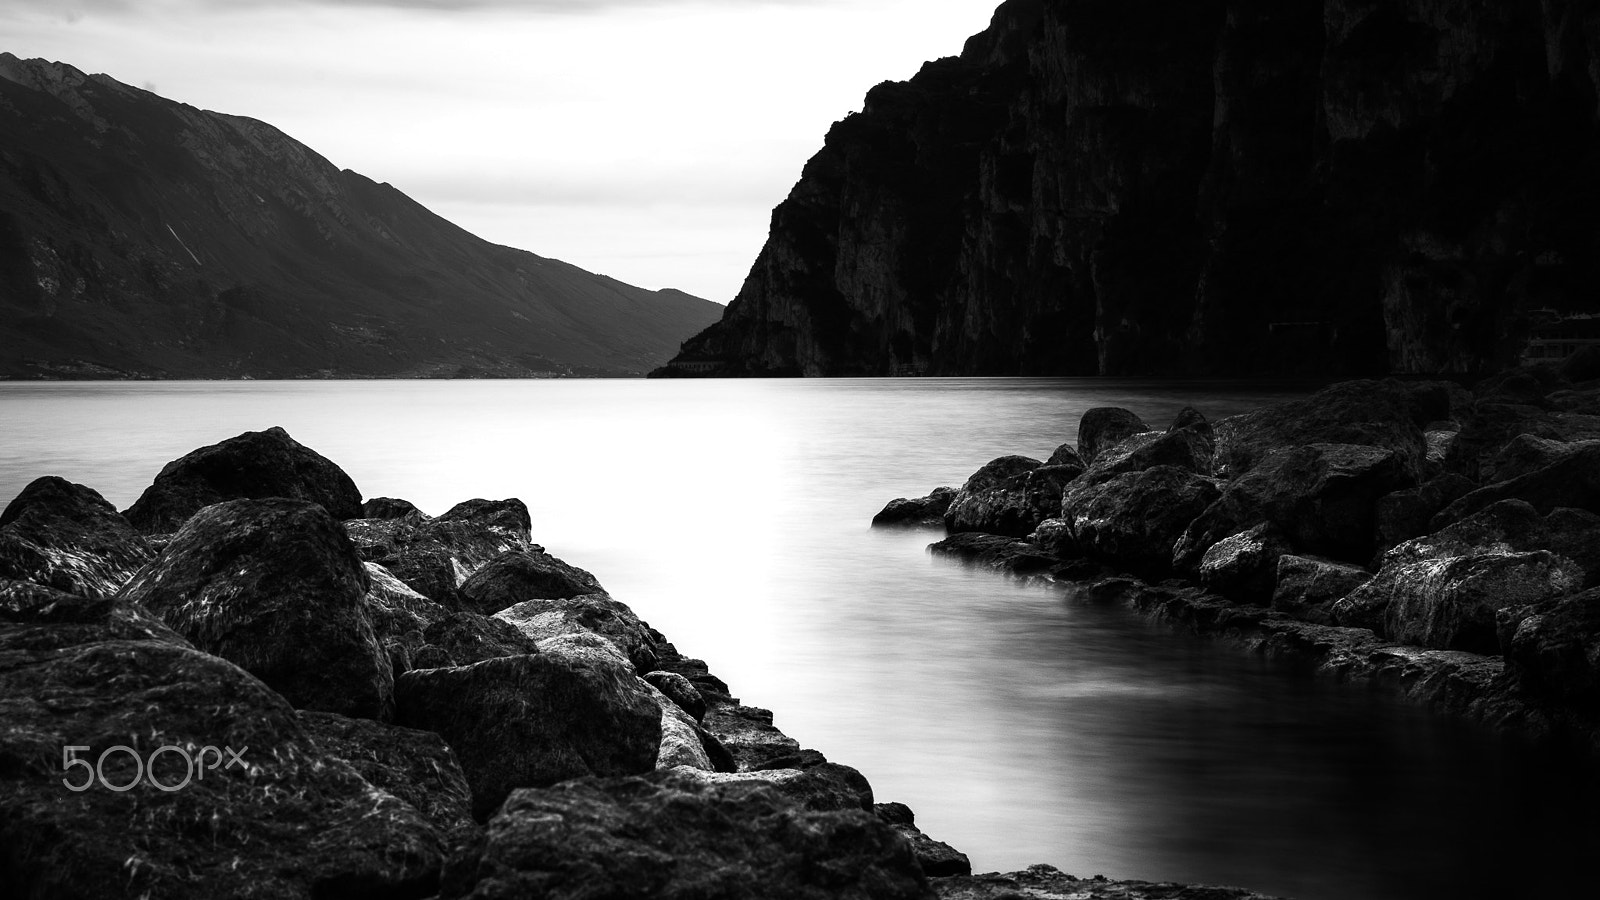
1228	187
145	238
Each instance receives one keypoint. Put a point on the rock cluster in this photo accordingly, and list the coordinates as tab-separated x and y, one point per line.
291	693
1432	536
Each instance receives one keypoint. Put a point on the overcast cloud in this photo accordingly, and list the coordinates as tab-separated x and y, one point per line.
644	139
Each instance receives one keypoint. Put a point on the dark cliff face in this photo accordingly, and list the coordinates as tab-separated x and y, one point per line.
1208	186
144	237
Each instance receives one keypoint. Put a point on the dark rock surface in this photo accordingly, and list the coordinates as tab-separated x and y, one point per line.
1014	505
679	690
1135	519
1307	586
253	466
1106	426
1244	566
1571	480
275	587
1553	648
664	836
434	556
223	248
518	576
1049	883
388	508
66	536
925	512
534	720
597	614
287	820
937	859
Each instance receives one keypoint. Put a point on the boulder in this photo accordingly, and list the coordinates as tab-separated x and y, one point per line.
1186	449
390	508
517	576
995	551
748	733
1308	586
1513	526
1488	426
533	720
434	556
1451	603
1405	514
1386	414
1571	480
1323	497
418	633
937	859
1244	567
921	512
596	614
1134	519
265	812
1014	506
1066	455
680	737
820	786
1105	426
66	536
253	466
1528	453
275	587
679	690
1552	649
670	836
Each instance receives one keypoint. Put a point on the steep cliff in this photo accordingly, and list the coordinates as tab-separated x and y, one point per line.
142	237
1194	186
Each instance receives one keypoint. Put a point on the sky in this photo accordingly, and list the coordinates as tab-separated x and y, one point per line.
647	140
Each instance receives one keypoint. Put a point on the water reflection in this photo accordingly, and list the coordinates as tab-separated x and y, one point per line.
1021	724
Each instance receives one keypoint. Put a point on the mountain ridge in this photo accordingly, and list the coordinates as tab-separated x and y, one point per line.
140	237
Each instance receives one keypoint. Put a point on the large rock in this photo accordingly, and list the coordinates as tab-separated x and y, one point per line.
1135	519
1553	648
918	512
434	556
1244	567
1308	586
1512	526
276	587
679	690
1385	414
533	720
1572	480
253	466
418	633
518	576
1323	497
671	836
1404	514
266	813
596	614
1014	506
66	536
1105	426
1527	453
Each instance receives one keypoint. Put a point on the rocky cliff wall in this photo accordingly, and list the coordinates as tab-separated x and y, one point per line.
1310	187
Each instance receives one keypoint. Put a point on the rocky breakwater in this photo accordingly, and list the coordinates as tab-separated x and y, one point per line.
253	684
1438	538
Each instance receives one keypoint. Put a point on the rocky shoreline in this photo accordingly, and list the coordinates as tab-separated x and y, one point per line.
1439	539
254	683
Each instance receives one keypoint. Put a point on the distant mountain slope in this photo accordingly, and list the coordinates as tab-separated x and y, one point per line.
1227	187
143	237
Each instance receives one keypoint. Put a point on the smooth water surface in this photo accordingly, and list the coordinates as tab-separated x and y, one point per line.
1021	724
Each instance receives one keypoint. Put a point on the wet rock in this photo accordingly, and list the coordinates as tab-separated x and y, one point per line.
1186	449
1308	586
1572	480
417	767
275	587
994	551
1054	536
921	512
596	614
518	576
1049	883
434	556
1244	566
1134	519
1106	426
1405	514
1451	603
1014	506
66	536
1513	526
937	859
1552	648
748	733
267	813
680	737
1066	455
389	508
670	836
533	720
253	466
679	690
1384	414
1323	497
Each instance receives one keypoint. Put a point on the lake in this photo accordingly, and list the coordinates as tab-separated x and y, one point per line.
1021	724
